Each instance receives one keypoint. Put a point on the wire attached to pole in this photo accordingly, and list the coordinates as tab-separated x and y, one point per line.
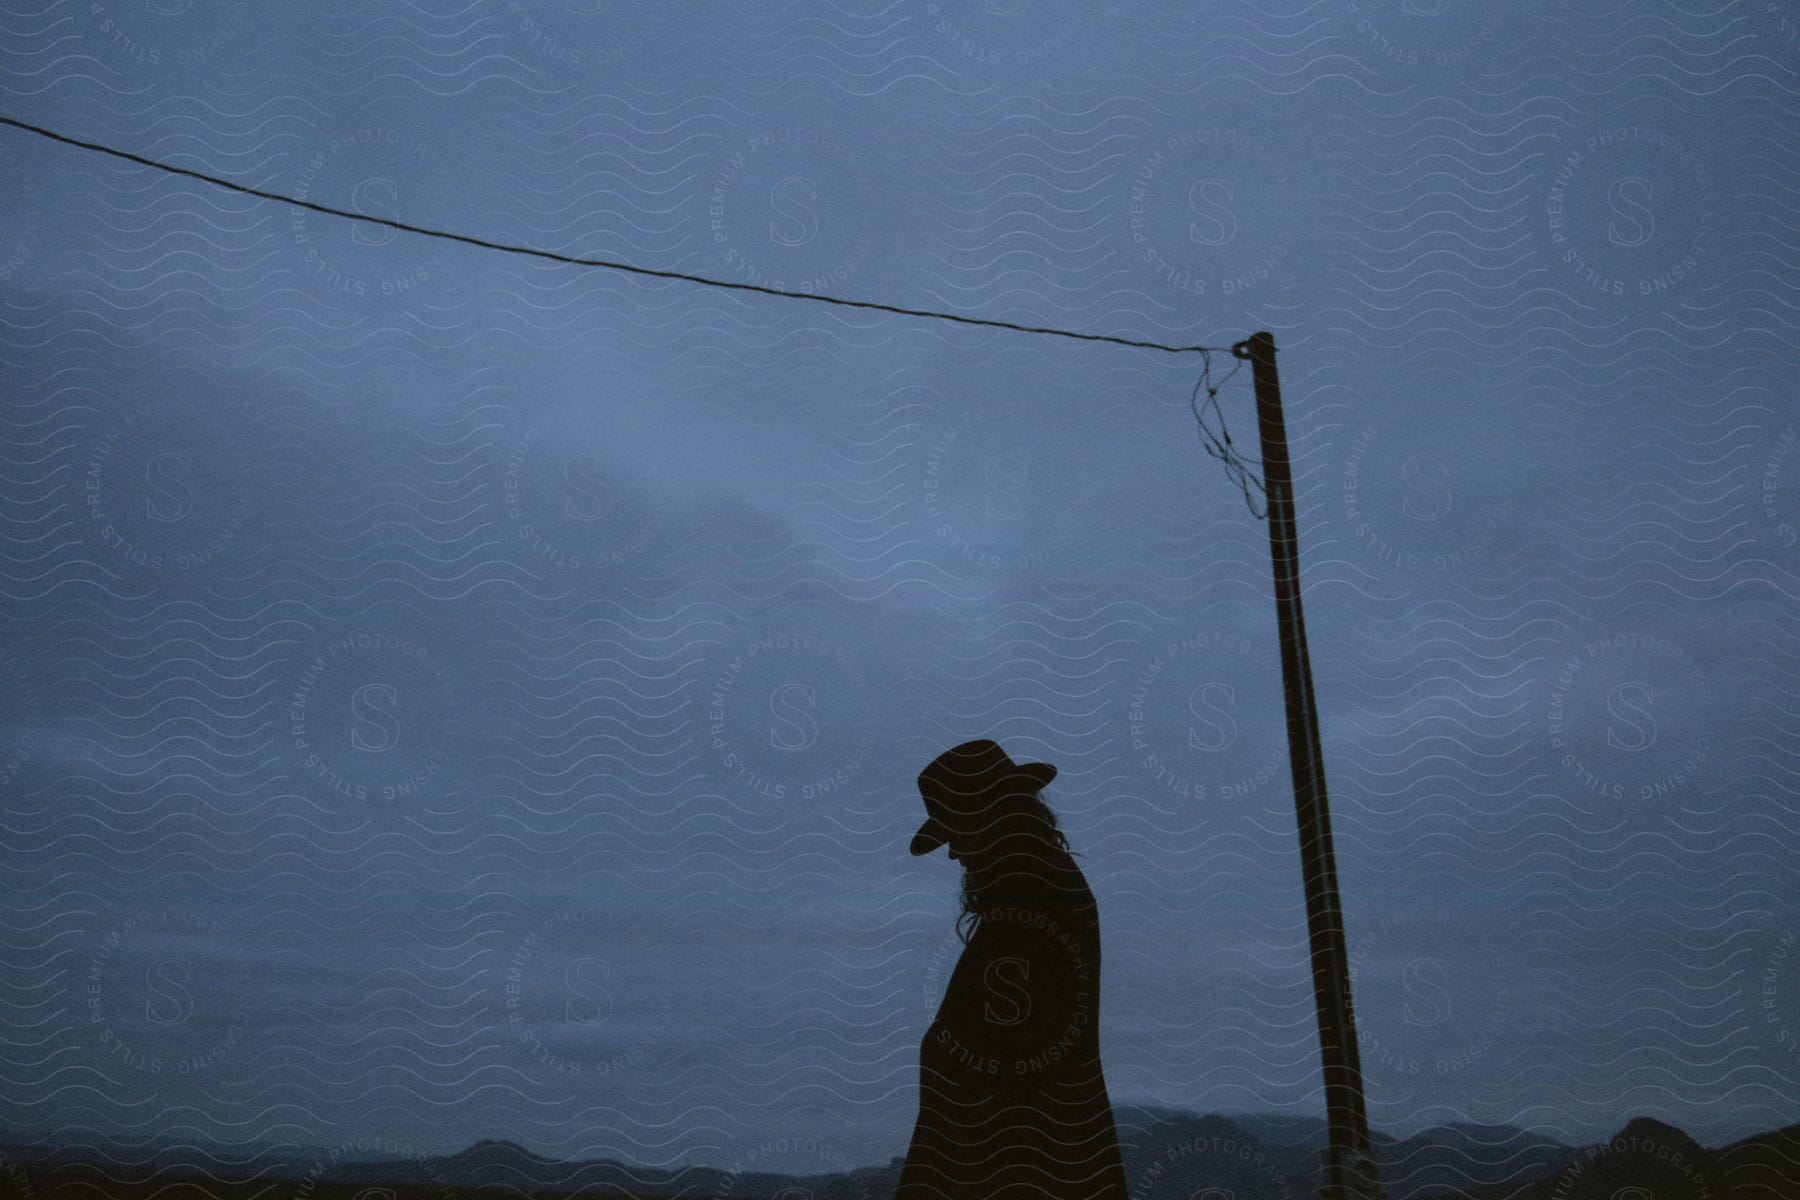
1247	472
592	262
1234	463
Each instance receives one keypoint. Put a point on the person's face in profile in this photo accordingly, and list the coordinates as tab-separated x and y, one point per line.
957	842
972	837
960	840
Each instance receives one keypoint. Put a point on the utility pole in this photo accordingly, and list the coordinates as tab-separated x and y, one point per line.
1350	1172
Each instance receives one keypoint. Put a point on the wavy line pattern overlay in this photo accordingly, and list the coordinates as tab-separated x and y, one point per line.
452	696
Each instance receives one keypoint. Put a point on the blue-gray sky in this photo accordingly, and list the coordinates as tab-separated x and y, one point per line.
453	695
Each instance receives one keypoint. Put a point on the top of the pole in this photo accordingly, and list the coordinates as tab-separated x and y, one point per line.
1242	349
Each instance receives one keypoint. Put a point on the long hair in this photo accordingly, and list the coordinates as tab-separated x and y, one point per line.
1030	826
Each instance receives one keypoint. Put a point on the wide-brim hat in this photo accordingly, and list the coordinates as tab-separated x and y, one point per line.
960	781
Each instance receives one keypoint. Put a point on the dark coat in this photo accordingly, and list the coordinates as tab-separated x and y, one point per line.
1012	1099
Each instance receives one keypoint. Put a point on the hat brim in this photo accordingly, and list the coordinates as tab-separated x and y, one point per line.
931	835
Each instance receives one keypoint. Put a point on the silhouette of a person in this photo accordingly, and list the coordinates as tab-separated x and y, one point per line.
1012	1099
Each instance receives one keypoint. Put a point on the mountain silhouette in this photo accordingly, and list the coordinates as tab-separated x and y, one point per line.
1180	1156
1651	1158
499	1155
1762	1167
1448	1159
1169	1154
